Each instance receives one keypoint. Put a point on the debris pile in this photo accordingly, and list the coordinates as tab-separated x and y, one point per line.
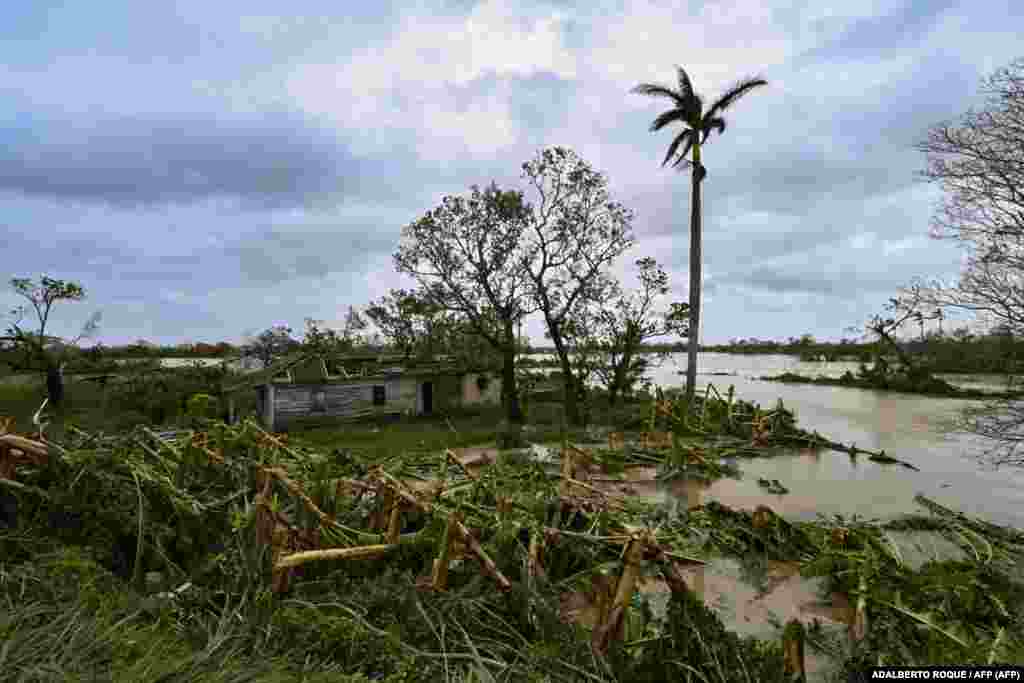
491	547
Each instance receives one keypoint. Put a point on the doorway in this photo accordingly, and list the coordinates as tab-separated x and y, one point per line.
428	398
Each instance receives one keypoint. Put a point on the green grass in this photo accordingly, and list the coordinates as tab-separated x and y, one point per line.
157	400
86	404
382	438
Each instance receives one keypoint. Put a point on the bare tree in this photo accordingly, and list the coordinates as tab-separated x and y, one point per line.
910	306
978	161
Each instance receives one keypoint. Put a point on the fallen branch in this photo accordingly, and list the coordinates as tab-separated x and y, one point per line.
452	457
365	552
488	565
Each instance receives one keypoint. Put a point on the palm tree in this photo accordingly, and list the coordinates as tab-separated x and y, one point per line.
688	109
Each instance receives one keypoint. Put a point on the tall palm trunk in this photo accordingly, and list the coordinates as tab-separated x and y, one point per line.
695	276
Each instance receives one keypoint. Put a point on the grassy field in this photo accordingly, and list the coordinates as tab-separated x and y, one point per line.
160	401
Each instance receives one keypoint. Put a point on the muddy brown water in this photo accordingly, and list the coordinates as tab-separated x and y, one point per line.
906	426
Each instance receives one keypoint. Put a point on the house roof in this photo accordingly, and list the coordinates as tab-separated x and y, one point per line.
293	360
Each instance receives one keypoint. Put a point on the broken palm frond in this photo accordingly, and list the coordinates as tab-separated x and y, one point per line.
487	564
451	457
612	621
358	553
793	637
616	441
300	508
439	573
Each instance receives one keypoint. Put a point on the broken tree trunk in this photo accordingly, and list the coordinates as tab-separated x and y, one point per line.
613	625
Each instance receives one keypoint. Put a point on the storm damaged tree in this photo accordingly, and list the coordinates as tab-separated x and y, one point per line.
688	110
899	311
270	344
466	255
37	350
321	339
610	336
978	161
412	324
576	232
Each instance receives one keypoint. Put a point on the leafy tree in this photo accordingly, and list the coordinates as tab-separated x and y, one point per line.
37	349
354	328
329	341
270	344
688	109
412	323
576	232
466	256
609	337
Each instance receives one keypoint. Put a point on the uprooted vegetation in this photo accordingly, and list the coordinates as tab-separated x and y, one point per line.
224	552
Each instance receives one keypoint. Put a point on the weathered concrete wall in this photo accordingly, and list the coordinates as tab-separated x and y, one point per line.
471	394
407	396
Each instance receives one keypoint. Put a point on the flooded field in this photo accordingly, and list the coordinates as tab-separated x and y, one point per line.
909	427
756	595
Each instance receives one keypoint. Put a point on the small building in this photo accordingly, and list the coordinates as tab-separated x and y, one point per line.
306	387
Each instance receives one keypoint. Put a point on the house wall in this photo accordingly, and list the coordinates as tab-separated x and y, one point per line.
408	395
471	394
299	401
287	403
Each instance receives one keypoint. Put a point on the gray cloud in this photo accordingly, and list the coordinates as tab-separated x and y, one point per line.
906	26
278	255
204	169
271	161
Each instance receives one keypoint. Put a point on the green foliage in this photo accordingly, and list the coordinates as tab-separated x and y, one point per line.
161	395
271	344
189	499
882	376
201	406
694	643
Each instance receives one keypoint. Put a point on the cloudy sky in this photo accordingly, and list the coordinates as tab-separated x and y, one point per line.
205	169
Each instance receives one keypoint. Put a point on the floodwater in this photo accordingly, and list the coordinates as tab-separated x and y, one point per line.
905	426
752	599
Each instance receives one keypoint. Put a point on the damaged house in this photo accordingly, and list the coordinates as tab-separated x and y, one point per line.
307	387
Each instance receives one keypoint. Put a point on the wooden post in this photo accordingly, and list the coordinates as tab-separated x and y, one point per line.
793	650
